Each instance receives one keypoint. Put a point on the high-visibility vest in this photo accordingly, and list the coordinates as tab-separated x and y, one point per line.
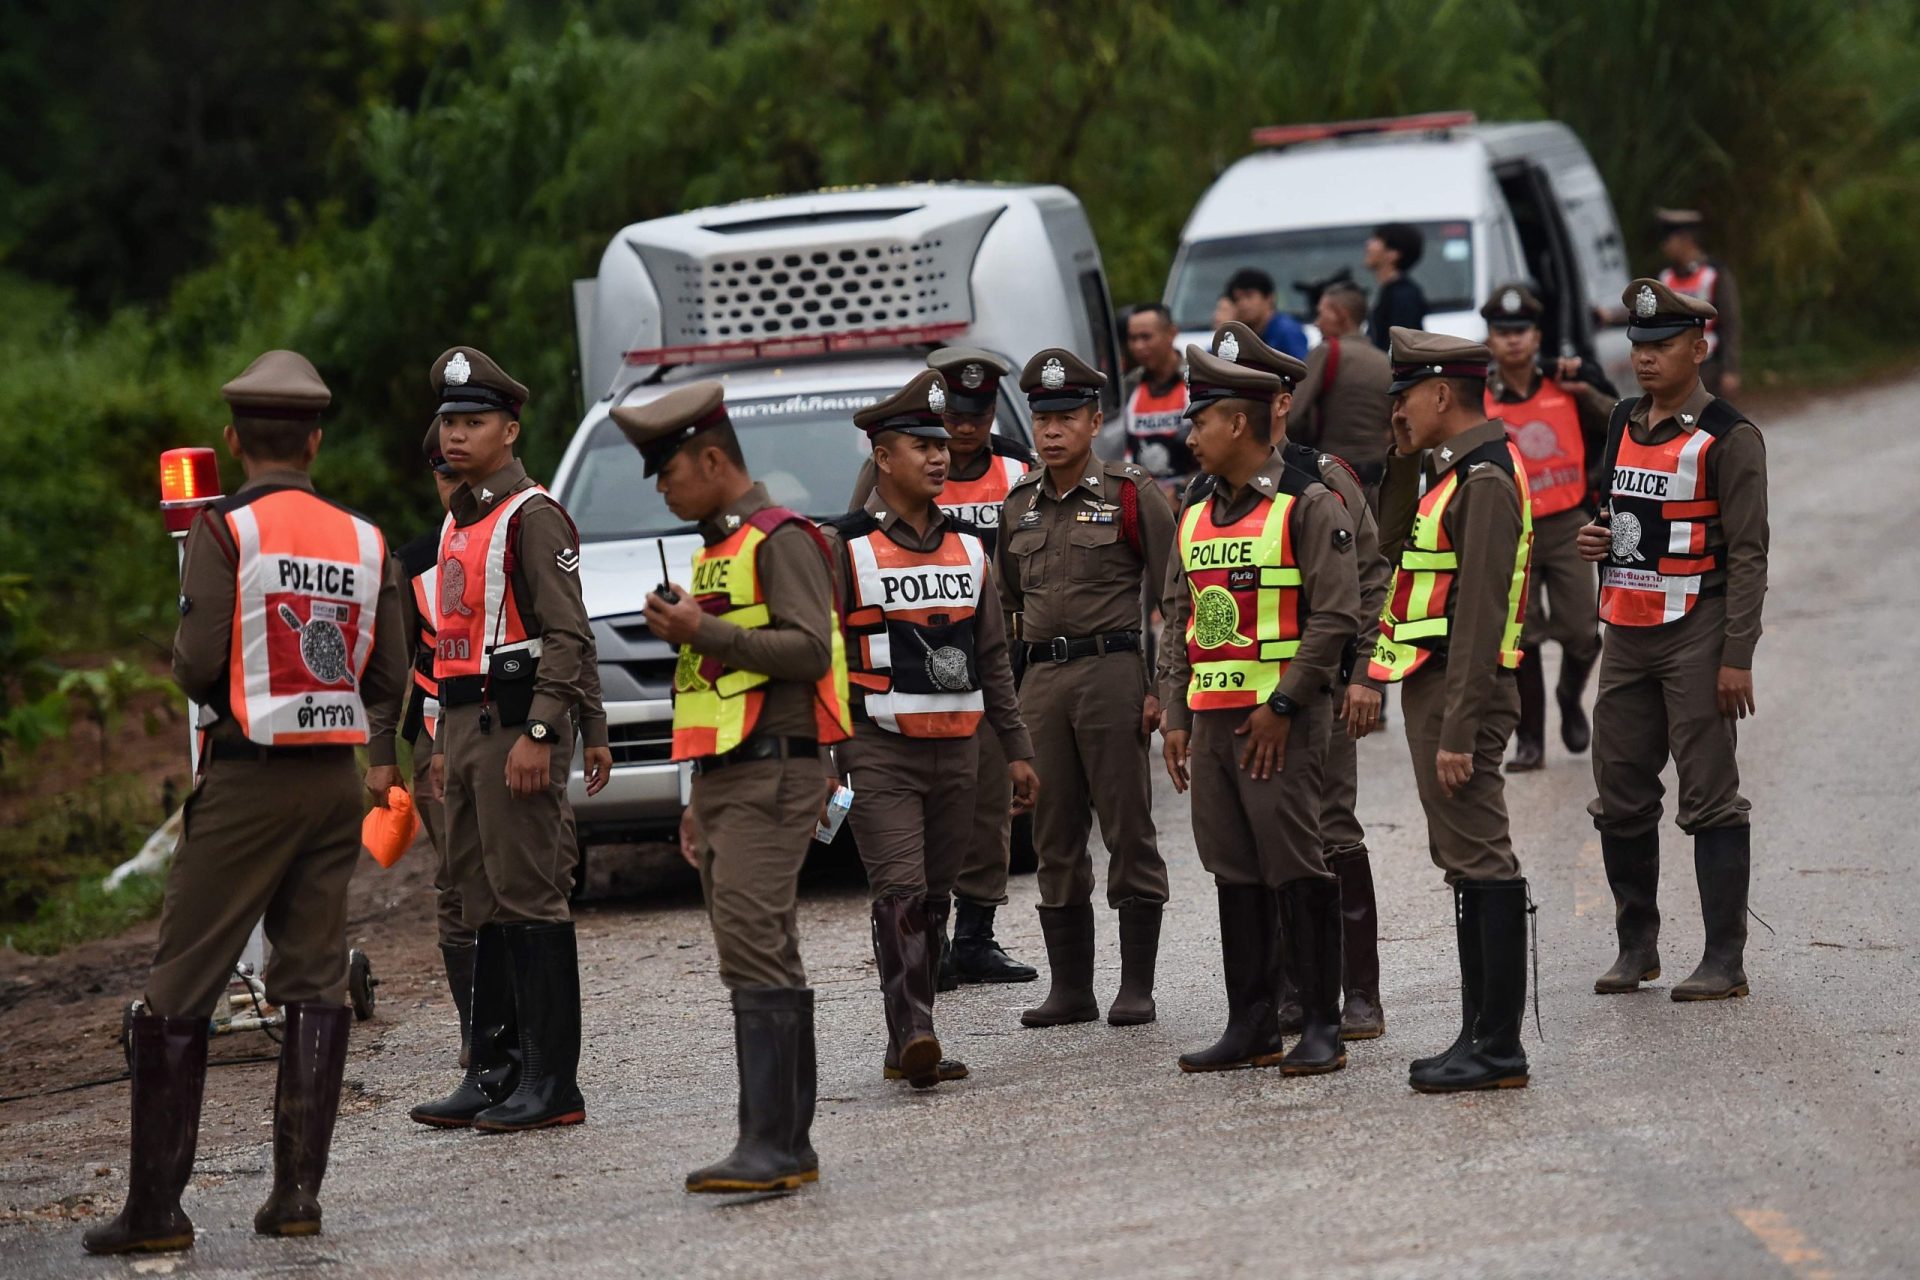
1665	520
307	583
715	707
1154	425
1699	283
977	501
1418	617
1545	428
426	689
912	658
1243	577
477	615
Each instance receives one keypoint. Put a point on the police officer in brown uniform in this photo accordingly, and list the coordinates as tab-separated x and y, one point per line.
981	468
760	688
1356	703
1261	605
1082	558
929	676
1683	574
511	645
1557	417
1450	636
290	641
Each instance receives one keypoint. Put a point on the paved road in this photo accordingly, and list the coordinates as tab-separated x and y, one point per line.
1773	1136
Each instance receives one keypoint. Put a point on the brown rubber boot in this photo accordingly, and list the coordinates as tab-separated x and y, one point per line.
313	1058
1069	935
1139	949
169	1077
903	949
1361	1017
1530	738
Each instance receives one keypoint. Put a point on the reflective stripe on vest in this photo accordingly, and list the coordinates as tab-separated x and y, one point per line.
1698	283
307	580
477	614
977	501
1241	576
426	589
911	623
1157	417
1666	530
1545	428
1417	618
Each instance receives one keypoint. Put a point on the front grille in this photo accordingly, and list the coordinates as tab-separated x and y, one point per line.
642	743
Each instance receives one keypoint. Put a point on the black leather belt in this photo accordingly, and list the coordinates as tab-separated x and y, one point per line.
459	691
227	749
1065	649
760	748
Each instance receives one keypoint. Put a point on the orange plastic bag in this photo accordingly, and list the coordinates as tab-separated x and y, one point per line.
388	833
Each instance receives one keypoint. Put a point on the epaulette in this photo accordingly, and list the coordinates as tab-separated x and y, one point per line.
1031	477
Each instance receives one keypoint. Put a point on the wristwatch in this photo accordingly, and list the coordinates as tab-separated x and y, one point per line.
1281	705
539	730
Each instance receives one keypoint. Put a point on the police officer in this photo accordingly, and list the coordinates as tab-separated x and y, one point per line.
760	687
1082	558
1683	572
1356	704
981	468
318	668
927	665
1260	607
1154	399
1557	418
1450	637
511	643
1691	271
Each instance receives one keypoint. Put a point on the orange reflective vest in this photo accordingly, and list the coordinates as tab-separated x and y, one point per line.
1418	617
426	689
910	621
977	501
1665	521
715	707
1243	577
1155	426
1545	428
1699	283
477	616
307	582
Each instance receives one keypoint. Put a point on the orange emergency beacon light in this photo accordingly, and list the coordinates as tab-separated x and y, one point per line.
189	480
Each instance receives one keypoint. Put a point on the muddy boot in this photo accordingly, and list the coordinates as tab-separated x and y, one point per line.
903	950
1722	862
1311	909
1069	935
1361	1017
1529	739
1247	940
313	1057
1492	1057
1633	872
946	970
459	961
977	957
767	1043
1575	730
806	1088
493	1066
1466	940
546	990
169	1077
1139	948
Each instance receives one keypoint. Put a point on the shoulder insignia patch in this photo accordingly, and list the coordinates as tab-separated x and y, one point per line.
567	559
1342	540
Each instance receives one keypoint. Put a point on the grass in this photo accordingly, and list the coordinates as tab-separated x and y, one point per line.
53	861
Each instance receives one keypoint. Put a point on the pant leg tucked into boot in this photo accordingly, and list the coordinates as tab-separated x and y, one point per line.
459	962
772	1153
1139	950
546	990
1723	864
1361	1017
1633	873
1466	940
1311	910
1069	935
493	1067
313	1058
169	1079
1248	939
904	951
1496	910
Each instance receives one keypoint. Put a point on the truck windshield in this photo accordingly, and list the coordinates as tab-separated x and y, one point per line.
1444	273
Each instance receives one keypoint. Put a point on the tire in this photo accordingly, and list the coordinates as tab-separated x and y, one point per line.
360	984
1022	859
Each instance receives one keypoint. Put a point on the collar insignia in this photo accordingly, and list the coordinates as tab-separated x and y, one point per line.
1686	419
1265	482
457	371
1446	454
486	495
732	521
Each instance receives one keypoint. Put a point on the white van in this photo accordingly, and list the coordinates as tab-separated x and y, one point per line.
1496	202
808	308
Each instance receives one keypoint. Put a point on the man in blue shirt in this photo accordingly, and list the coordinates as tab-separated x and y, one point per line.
1251	292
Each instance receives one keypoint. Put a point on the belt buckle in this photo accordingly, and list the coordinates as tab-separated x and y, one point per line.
1057	650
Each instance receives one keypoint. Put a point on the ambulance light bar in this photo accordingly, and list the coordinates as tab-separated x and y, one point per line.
189	480
1286	135
788	347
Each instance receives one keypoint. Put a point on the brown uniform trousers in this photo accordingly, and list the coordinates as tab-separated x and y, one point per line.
983	865
1259	833
756	822
913	816
1466	832
248	856
433	816
1565	594
1657	694
522	870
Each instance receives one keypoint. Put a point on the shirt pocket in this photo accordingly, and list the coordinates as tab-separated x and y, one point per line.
1098	553
1028	549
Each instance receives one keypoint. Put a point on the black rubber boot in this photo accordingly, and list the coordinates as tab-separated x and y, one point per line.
946	968
806	1088
904	950
1466	940
169	1063
1361	1017
1069	935
1575	730
546	989
1139	949
313	1058
1723	863
1288	1011
1492	1057
1248	938
1311	911
977	957
459	962
767	1049
1529	739
1633	872
493	1066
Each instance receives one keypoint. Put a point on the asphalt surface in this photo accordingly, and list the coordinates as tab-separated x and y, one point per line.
1773	1136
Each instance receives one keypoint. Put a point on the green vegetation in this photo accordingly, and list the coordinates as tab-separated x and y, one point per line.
52	866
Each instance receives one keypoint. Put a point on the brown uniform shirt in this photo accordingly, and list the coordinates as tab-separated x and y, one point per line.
1324	546
1351	417
203	642
1399	502
1737	474
1376	571
1065	564
1482	522
990	655
795	648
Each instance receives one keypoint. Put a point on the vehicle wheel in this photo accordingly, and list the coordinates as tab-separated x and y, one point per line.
360	984
1022	859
